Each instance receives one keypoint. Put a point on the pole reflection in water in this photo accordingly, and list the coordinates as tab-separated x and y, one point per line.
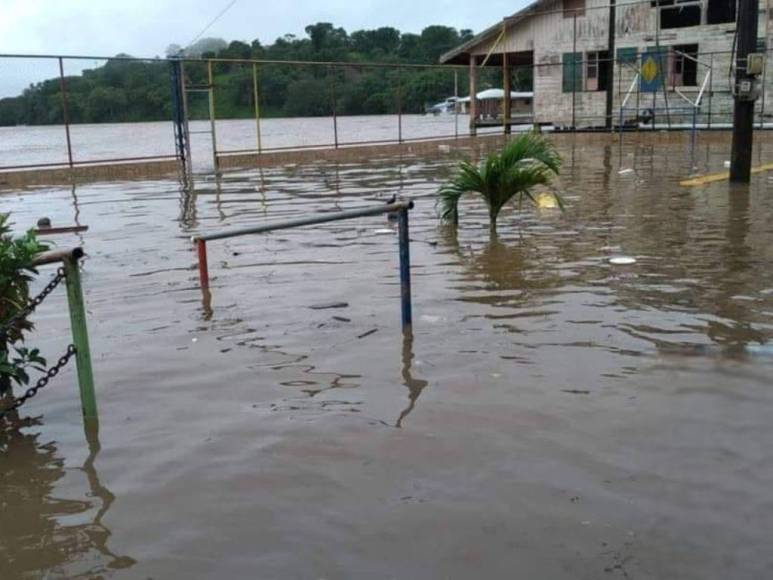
415	386
42	534
188	217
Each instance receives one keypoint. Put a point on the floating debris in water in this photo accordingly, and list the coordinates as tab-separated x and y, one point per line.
546	200
326	305
625	171
430	318
622	260
575	391
382	231
727	164
364	334
444	148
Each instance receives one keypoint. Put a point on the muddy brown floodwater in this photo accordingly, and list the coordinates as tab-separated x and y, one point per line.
553	416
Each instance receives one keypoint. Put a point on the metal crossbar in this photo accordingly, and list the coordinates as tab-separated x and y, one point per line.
320	218
400	208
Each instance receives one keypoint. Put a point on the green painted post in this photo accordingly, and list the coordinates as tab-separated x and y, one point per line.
80	337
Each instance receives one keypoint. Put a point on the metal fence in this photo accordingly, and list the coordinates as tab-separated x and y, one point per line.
84	110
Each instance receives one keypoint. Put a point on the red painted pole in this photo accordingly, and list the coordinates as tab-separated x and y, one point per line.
201	246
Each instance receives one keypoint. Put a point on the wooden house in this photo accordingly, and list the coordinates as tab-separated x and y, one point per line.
671	59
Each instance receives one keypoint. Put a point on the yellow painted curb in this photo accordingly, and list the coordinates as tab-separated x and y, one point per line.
713	177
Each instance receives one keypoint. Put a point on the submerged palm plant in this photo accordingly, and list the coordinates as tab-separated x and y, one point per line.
523	164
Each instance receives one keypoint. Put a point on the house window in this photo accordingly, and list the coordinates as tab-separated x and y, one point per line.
572	72
627	55
596	71
573	8
720	11
684	68
678	13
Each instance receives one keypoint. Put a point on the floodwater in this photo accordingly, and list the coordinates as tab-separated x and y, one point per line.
109	141
552	416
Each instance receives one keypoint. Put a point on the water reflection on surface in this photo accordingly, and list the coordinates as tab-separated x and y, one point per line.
41	532
551	416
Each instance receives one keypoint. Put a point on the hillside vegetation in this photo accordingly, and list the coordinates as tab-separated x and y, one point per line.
127	91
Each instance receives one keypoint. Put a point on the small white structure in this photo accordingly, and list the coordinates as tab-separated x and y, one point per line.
490	104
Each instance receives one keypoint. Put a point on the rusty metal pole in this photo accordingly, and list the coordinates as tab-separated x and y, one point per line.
201	249
65	110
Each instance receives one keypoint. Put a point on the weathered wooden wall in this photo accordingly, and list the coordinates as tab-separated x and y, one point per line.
550	35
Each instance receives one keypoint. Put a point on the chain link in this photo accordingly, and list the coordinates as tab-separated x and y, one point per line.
42	381
33	304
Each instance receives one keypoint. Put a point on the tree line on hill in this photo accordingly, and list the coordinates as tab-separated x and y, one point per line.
131	91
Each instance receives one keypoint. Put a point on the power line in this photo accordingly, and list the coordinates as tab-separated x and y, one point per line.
211	22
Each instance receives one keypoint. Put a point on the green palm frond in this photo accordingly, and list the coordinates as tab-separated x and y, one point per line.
524	163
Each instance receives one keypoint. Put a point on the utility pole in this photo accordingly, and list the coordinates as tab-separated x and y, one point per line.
745	92
610	64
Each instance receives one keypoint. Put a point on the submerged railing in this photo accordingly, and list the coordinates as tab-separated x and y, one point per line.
79	349
400	208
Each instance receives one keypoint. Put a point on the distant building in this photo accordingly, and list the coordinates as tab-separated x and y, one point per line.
664	51
490	106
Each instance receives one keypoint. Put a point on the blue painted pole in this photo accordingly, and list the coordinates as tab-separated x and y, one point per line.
405	270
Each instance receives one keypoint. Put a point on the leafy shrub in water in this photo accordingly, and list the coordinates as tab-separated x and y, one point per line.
16	273
523	164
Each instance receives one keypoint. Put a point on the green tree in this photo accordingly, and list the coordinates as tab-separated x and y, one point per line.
308	98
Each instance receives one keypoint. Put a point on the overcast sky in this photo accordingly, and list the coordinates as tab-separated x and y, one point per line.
147	27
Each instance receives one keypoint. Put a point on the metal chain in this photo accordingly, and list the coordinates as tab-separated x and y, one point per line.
33	304
42	381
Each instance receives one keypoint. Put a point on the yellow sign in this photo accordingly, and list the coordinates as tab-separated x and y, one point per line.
649	70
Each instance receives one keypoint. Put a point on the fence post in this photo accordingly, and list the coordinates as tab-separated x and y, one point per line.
256	96
399	105
65	110
711	88
80	335
506	101
473	108
212	113
574	71
456	104
405	271
335	107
